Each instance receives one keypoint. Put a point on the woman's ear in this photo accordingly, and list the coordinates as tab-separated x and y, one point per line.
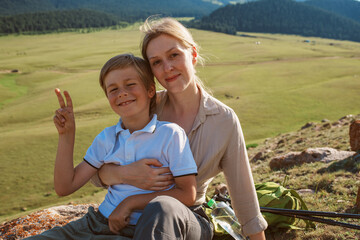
194	55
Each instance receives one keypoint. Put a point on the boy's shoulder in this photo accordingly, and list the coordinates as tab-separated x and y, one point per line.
107	134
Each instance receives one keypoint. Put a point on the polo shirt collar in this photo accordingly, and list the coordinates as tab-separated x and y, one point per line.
149	128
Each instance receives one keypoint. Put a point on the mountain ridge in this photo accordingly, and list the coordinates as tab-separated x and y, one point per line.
280	16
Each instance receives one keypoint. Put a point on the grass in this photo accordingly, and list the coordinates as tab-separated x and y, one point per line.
274	87
334	184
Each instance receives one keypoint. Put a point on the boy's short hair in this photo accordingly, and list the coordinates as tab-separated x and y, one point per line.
141	66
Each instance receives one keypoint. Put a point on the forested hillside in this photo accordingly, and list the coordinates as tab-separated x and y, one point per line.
280	16
346	8
127	10
56	20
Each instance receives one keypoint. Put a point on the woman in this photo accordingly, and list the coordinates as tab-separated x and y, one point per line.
215	137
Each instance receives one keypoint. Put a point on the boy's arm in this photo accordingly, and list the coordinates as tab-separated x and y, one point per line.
67	179
184	191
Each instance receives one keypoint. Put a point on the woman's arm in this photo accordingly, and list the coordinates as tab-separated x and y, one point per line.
237	171
140	174
185	192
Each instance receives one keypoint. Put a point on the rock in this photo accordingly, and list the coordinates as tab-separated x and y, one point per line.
257	157
346	117
37	222
14	71
221	189
336	123
305	191
307	125
309	155
325	120
354	132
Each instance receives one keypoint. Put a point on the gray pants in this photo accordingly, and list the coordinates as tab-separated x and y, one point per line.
93	225
166	218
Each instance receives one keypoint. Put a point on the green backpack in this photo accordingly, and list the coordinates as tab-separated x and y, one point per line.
273	195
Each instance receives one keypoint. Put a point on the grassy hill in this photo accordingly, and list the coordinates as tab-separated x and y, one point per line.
275	86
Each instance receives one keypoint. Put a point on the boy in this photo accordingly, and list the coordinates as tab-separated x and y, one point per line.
130	89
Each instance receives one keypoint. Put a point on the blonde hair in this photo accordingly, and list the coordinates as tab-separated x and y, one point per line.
141	66
154	27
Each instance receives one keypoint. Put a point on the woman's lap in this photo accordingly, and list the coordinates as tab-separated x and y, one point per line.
167	218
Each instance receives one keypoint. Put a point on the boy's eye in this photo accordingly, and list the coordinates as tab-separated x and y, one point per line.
112	89
131	84
156	62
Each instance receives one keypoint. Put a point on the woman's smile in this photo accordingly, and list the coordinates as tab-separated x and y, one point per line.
172	78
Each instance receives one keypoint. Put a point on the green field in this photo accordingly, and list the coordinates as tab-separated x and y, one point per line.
274	87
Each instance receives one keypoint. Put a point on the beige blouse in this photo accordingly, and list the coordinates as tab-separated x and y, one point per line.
217	143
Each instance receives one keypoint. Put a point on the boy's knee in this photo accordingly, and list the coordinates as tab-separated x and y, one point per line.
163	205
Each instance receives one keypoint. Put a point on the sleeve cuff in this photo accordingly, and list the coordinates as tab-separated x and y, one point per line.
195	173
90	164
255	225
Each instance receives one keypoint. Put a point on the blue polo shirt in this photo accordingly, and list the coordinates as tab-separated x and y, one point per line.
164	141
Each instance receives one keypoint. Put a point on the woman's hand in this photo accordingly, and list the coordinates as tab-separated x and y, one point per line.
64	119
140	174
258	236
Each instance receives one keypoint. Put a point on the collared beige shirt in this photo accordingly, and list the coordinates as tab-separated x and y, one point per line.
217	143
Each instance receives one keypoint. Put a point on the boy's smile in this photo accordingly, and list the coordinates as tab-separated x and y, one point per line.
127	94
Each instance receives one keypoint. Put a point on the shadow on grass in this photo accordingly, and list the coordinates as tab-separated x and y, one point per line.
350	164
278	234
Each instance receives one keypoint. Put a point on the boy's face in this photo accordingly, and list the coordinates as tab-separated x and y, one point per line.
127	94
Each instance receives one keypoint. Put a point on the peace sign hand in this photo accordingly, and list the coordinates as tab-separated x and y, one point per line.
64	119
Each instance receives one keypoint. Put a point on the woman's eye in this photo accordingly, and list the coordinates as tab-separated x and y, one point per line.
131	84
174	55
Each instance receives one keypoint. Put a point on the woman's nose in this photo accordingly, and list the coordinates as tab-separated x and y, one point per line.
168	66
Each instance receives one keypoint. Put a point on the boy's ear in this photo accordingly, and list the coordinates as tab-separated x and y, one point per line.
151	91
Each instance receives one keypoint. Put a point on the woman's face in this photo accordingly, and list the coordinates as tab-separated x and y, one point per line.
172	63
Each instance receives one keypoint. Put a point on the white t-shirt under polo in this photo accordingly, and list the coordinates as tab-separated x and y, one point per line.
164	141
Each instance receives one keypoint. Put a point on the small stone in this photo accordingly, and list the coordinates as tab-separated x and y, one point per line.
307	125
305	191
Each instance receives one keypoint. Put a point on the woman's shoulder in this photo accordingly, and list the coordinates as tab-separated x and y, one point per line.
214	105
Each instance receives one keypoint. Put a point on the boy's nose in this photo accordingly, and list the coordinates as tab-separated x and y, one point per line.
122	93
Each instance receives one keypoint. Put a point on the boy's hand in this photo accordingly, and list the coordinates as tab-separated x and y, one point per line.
119	218
64	117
